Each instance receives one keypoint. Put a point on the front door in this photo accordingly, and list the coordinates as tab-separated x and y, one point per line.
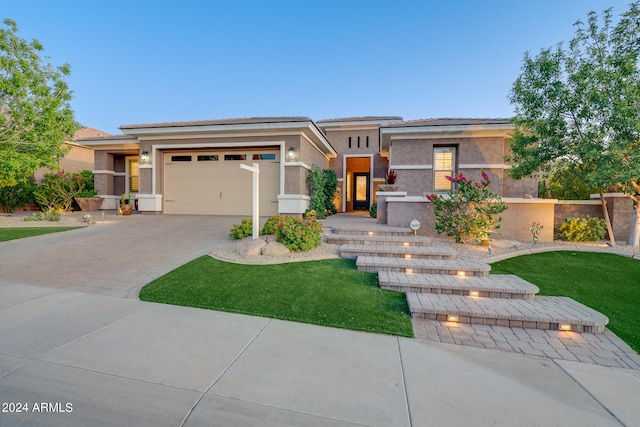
361	191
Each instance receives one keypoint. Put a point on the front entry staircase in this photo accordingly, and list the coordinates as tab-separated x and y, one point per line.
441	287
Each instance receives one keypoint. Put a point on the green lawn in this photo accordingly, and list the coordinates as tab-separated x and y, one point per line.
607	283
20	232
328	292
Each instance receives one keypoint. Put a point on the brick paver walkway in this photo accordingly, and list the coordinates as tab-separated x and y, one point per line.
601	349
604	349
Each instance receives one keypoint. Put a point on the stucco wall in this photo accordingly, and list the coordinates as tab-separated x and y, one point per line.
413	161
339	139
520	213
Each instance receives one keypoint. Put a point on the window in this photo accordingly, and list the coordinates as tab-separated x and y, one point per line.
266	156
133	175
444	164
180	158
235	157
358	142
367	142
208	158
349	142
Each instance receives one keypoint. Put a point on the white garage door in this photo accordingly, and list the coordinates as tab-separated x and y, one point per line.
212	183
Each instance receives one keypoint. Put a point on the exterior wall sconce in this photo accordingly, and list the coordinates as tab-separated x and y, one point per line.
144	157
291	154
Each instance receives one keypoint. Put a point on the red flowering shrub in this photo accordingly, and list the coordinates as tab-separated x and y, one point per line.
468	212
298	234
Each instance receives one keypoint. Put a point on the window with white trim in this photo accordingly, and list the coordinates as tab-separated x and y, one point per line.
444	165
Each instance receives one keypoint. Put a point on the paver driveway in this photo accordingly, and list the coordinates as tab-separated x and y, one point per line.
114	258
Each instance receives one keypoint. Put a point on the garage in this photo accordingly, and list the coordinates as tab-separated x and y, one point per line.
212	183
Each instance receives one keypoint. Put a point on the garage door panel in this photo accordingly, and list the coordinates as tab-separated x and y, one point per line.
210	185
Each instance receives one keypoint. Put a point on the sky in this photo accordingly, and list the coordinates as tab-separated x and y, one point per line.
138	61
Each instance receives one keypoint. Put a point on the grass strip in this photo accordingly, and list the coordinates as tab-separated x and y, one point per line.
607	283
328	293
22	232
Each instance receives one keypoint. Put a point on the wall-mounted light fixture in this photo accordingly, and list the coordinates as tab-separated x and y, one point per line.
291	154
144	157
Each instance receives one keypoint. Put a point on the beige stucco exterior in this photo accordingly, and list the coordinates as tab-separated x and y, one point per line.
270	135
363	147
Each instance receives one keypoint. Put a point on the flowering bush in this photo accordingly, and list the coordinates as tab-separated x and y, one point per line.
469	211
535	228
270	225
57	191
299	234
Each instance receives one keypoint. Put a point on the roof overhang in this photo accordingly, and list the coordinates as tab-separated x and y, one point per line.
232	128
484	130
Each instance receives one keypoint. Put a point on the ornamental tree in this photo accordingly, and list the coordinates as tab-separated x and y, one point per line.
579	106
35	111
469	212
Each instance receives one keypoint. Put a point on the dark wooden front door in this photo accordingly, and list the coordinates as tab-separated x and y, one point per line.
360	191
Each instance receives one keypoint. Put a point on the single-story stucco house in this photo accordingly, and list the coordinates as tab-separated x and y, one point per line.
193	167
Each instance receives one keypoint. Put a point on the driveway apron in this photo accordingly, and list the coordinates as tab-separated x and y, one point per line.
115	257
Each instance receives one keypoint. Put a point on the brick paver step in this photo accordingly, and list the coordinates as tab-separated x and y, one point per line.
491	286
550	313
394	251
373	230
423	266
362	239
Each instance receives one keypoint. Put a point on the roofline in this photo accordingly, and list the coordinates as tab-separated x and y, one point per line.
387	134
136	133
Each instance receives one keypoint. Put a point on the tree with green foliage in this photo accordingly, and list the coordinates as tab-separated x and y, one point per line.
35	110
580	105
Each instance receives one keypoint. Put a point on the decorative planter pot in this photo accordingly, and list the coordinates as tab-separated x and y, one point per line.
125	209
89	203
389	187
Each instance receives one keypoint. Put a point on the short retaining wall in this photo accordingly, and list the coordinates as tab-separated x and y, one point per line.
399	210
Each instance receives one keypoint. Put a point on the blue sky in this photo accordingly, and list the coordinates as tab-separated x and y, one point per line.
154	61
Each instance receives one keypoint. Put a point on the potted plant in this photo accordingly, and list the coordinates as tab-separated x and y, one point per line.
125	207
390	181
88	200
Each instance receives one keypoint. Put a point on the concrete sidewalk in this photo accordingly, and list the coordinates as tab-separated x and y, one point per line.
78	348
114	361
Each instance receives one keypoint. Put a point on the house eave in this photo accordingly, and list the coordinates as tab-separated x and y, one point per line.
388	134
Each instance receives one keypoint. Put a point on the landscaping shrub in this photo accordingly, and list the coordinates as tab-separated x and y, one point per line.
323	184
17	195
270	225
43	216
317	180
373	210
299	234
242	230
57	190
330	188
311	214
590	229
468	212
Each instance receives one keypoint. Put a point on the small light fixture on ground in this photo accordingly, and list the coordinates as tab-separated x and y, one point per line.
407	256
408	270
564	327
452	318
461	273
370	233
474	294
405	244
